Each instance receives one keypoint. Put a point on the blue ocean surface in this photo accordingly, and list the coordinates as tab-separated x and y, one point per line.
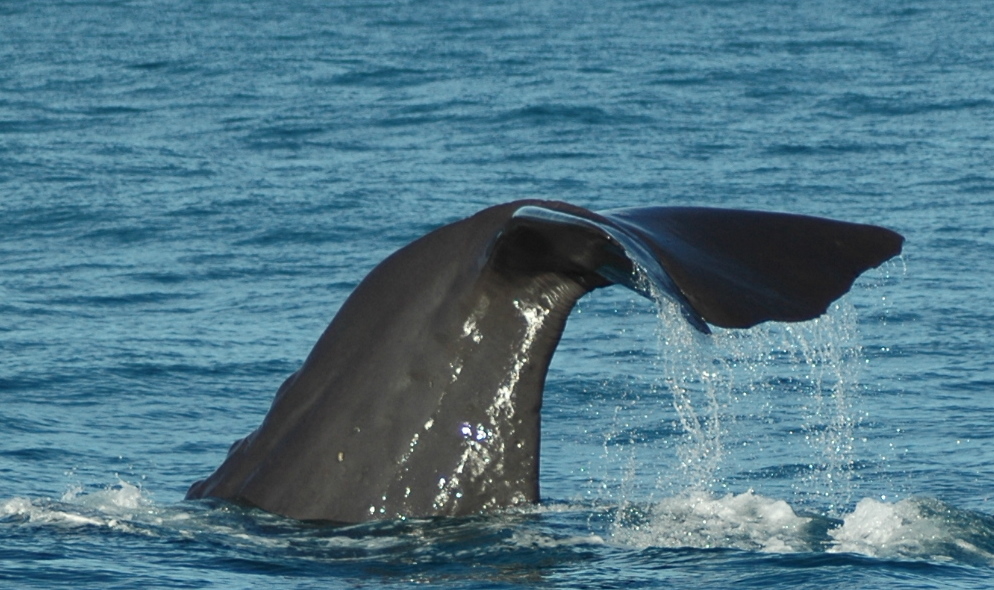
190	189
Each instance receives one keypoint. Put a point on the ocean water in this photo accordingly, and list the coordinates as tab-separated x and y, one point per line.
190	189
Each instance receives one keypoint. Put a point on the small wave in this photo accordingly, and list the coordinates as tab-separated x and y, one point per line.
542	156
546	114
284	236
388	77
126	299
832	148
857	104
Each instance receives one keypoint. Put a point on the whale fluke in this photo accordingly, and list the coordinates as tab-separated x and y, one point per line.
422	396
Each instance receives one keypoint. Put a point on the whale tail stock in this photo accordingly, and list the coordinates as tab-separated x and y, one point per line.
422	396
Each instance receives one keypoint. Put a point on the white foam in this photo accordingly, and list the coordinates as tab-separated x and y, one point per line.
876	528
914	529
536	539
700	520
112	507
910	529
119	497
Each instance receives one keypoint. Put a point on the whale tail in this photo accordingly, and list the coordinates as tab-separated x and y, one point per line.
725	267
423	395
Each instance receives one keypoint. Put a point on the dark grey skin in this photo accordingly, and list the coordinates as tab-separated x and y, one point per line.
422	396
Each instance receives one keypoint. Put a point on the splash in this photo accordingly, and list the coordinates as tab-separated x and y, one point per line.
806	371
831	359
